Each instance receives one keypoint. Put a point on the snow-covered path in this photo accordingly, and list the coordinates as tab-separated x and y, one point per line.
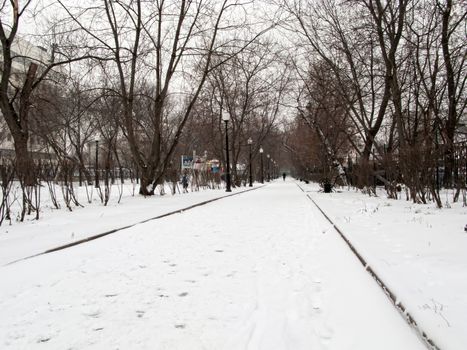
261	270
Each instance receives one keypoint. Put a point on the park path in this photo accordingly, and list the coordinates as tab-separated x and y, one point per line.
261	270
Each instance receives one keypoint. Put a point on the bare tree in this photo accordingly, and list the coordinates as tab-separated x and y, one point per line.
164	43
251	88
342	37
453	15
17	88
327	115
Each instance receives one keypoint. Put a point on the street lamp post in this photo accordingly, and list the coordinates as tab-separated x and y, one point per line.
96	172
272	169
262	173
269	174
250	142
226	118
437	158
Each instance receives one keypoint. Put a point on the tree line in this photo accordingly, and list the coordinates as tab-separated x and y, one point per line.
384	93
137	82
362	92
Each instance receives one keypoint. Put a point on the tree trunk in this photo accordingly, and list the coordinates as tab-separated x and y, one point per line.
146	178
23	160
451	122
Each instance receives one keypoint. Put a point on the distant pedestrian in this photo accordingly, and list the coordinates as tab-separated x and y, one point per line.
284	175
185	183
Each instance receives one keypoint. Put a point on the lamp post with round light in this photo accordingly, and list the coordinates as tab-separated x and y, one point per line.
269	174
96	170
226	118
272	169
261	151
250	142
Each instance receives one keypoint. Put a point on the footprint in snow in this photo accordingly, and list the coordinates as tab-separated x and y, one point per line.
325	332
180	326
93	314
316	286
316	305
43	339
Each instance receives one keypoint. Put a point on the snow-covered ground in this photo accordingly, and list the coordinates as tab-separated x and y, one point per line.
418	250
59	227
259	270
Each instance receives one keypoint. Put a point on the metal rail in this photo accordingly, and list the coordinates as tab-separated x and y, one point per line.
389	293
106	233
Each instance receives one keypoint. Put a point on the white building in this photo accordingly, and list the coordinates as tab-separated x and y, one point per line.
23	53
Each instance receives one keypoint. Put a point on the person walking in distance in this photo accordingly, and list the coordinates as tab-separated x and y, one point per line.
185	183
284	175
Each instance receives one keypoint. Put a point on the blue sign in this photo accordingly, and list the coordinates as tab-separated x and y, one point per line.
187	162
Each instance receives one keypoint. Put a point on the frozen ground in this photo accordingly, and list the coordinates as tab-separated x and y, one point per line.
418	250
59	227
261	270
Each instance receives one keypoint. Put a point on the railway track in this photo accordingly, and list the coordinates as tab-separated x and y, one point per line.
424	337
400	307
109	232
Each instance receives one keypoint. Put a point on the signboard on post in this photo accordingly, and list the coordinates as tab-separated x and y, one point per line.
187	162
213	166
199	164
